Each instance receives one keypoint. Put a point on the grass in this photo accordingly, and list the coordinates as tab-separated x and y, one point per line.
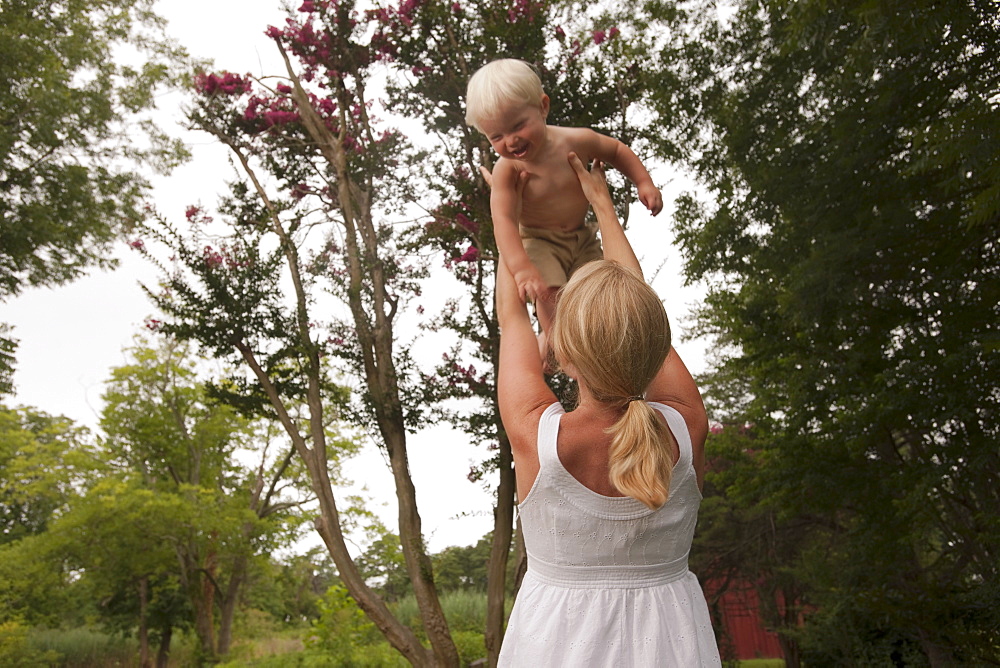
262	643
86	648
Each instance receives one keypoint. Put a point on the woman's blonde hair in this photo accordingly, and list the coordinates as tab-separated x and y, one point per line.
612	328
496	86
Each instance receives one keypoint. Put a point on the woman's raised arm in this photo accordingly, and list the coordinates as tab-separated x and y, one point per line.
595	188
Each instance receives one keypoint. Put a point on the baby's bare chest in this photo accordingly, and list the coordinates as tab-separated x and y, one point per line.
554	200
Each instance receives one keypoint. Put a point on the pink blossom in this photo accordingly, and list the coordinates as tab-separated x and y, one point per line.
252	106
307	6
279	117
560	33
457	8
464	222
599	36
299	190
137	244
192	211
327	106
227	84
284	89
521	8
153	324
381	15
613	33
213	259
470	255
273	32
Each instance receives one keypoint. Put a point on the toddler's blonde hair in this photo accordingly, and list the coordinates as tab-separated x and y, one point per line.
612	328
498	85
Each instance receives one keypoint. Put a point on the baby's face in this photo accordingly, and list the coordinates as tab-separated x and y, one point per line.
518	131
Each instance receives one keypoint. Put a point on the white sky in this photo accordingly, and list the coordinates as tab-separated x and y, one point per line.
71	336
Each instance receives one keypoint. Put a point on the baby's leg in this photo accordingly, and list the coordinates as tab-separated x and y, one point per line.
549	250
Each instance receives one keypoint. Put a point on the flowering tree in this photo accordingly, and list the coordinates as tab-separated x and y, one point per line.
594	77
320	215
310	216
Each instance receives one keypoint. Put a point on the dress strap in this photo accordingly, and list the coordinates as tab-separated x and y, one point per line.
678	427
548	433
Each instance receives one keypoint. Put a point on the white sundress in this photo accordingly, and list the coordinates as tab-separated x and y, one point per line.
608	581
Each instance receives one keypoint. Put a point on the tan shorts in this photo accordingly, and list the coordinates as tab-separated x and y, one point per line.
557	253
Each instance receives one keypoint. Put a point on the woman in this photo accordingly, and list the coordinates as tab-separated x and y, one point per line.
609	492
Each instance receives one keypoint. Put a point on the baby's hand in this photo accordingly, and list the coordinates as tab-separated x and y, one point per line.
650	197
530	285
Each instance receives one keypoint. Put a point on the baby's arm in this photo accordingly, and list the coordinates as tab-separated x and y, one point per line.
504	208
622	158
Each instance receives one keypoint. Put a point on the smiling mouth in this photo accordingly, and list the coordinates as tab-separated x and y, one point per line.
519	152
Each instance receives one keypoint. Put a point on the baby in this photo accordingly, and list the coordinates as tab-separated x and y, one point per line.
547	240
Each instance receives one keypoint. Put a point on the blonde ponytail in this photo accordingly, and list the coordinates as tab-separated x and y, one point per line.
612	328
641	455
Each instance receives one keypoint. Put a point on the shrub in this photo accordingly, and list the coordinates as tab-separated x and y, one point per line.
16	650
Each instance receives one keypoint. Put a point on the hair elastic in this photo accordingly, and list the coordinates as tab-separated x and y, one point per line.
635	398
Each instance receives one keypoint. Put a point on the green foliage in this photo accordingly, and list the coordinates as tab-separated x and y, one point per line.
16	650
70	113
465	568
43	460
34	587
156	529
471	646
852	259
290	590
343	634
181	523
341	629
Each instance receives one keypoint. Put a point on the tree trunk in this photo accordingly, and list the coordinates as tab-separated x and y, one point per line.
503	527
328	521
418	564
163	654
790	651
202	595
937	655
792	620
522	558
144	659
373	325
328	526
227	608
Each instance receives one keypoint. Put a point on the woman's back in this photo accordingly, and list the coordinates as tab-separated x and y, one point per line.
585	447
568	524
607	581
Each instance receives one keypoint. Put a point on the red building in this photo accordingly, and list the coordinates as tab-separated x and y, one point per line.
742	635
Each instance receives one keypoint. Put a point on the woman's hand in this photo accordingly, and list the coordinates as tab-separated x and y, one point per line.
593	182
